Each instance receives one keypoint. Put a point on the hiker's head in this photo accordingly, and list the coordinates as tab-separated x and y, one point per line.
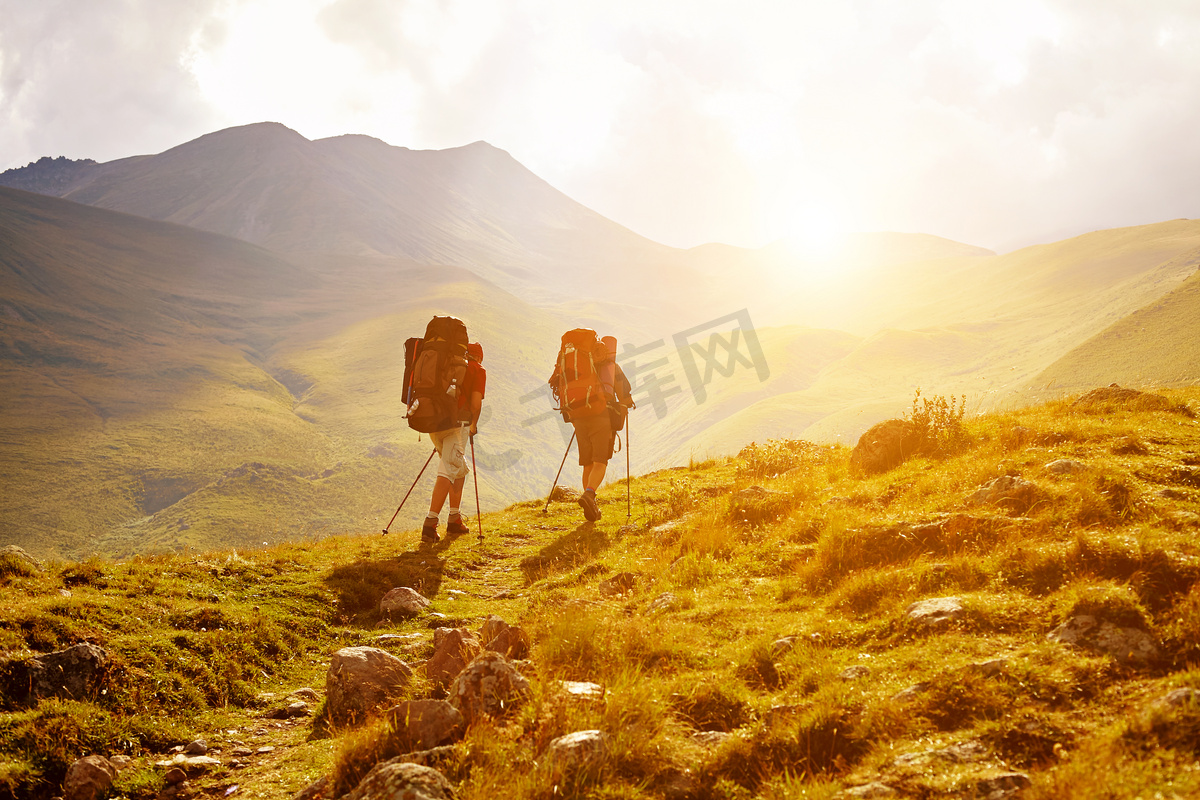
475	352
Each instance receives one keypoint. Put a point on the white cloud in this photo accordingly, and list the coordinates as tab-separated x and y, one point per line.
687	121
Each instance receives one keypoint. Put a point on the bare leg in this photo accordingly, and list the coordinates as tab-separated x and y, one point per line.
441	488
593	475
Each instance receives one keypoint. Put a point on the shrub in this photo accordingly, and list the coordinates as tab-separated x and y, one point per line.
940	423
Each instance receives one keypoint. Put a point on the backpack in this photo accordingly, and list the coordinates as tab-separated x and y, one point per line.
434	368
576	380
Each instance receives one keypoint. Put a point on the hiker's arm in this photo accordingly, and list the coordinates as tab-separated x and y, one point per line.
476	408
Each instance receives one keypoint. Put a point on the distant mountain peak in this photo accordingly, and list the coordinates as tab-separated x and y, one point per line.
48	175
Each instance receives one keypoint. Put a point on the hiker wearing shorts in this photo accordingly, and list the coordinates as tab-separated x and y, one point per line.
451	445
594	396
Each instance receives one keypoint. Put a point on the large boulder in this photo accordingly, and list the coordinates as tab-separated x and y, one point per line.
489	686
424	724
401	780
76	673
453	649
360	681
886	445
89	778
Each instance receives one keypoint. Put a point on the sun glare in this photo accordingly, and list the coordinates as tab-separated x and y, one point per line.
816	237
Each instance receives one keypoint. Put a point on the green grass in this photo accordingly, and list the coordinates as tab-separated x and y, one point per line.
823	559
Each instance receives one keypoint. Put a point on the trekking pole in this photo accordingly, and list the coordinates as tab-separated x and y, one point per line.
475	473
414	485
628	479
560	468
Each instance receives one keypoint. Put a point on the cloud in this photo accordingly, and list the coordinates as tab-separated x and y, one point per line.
98	78
996	124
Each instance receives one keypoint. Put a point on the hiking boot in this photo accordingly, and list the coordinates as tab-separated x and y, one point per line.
429	531
587	501
456	526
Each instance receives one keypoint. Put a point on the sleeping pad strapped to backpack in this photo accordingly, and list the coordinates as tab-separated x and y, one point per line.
434	368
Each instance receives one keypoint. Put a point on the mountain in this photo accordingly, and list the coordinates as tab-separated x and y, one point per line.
1156	345
472	206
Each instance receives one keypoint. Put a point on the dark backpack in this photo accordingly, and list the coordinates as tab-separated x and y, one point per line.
576	379
434	368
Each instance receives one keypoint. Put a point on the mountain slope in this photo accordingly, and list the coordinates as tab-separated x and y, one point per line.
472	206
1158	344
165	387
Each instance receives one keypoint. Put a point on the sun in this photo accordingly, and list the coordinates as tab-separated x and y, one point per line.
816	236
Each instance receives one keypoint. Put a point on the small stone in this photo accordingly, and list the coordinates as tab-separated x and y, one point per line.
582	688
711	739
175	775
855	672
1065	466
935	611
577	749
869	790
663	602
781	647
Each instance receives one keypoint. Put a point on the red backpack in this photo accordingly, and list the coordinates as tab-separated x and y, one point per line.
434	368
576	380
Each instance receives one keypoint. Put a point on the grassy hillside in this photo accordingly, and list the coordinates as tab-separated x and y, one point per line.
748	642
1155	345
166	388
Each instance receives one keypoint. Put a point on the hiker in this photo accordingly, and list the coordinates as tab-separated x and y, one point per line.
451	445
444	386
593	394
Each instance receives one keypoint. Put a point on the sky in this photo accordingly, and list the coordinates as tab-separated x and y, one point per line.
998	124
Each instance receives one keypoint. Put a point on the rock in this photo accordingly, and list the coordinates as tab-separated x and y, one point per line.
1009	491
453	650
936	611
507	640
955	754
401	780
425	724
1179	698
855	672
191	766
196	748
1007	784
875	789
664	602
620	583
582	689
319	789
1127	645
886	445
489	687
298	709
361	680
89	778
402	602
905	695
782	646
563	494
711	739
1114	395
18	561
175	776
576	750
1064	466
988	669
75	673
